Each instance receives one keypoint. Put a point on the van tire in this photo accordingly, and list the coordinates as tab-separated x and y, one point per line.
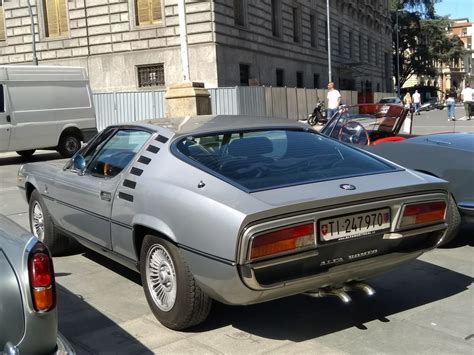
26	153
68	145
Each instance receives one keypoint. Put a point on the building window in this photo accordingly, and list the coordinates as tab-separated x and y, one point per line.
276	18
296	25
316	81
299	79
351	45
280	77
151	75
312	28
244	74
359	44
3	36
55	14
239	14
148	12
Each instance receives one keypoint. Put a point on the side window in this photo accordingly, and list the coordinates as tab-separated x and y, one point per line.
111	156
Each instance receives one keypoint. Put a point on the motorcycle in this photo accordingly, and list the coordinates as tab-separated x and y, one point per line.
318	116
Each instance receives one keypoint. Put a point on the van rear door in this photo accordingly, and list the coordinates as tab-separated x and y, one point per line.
5	125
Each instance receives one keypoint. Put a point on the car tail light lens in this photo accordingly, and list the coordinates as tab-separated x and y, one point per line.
282	241
423	213
41	273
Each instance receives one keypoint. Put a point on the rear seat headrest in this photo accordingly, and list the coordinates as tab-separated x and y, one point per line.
250	146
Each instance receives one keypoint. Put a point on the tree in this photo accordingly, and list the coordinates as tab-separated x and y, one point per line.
424	42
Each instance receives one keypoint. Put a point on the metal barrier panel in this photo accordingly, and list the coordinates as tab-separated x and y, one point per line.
104	109
312	100
279	102
251	100
224	101
292	103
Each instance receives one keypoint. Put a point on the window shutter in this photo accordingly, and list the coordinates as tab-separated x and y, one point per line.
63	17
51	18
143	12
156	10
2	23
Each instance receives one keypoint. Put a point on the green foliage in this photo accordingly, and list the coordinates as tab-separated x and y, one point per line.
424	43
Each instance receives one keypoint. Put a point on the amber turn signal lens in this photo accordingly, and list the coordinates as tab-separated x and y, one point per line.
423	213
282	241
43	299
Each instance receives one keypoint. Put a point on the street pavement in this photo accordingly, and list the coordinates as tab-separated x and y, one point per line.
426	306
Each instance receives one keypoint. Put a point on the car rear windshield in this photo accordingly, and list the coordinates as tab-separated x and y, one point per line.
267	159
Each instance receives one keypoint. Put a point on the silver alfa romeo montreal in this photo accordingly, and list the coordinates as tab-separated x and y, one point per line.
236	209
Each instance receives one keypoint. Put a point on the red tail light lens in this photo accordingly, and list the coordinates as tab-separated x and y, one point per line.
423	213
41	273
282	241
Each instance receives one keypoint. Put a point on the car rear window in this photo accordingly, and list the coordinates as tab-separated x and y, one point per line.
267	159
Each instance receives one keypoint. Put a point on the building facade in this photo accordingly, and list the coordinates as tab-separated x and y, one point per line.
134	44
455	75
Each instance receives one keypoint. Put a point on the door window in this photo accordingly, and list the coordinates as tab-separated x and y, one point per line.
112	154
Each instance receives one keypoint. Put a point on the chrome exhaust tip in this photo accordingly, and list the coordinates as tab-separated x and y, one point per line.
331	292
357	285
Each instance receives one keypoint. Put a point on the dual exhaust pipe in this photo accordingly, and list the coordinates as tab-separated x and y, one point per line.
341	292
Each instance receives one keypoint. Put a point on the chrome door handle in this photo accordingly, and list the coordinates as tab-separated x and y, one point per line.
105	196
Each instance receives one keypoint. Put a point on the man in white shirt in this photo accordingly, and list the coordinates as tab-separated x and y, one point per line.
334	100
416	101
467	97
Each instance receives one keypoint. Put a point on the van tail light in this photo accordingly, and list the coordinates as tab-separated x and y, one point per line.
283	240
41	273
423	213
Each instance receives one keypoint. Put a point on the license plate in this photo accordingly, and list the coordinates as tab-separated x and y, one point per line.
354	225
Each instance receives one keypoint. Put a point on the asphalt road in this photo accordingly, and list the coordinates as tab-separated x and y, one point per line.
426	306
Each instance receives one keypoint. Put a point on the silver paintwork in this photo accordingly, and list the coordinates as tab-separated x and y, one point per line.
22	329
212	221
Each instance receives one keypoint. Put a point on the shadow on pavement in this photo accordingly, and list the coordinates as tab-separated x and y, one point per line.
89	331
301	318
464	237
37	157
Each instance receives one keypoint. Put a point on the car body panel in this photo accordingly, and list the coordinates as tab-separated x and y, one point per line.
23	328
211	220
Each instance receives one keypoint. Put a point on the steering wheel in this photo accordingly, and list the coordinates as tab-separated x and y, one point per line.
353	132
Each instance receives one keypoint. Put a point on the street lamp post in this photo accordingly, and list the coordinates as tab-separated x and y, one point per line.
183	35
33	34
329	40
398	53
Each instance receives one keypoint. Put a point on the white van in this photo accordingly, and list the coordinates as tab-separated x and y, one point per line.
45	107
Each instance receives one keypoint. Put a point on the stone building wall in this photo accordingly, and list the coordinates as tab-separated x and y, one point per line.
103	38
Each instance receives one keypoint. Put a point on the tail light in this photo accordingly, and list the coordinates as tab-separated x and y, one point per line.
423	213
283	240
41	273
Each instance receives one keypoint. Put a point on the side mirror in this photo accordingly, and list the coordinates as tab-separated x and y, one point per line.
79	164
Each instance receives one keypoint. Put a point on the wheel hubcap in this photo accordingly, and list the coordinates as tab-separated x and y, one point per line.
37	221
71	145
161	277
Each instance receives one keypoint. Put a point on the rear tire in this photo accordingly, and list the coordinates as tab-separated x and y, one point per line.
26	153
170	288
453	218
68	145
43	228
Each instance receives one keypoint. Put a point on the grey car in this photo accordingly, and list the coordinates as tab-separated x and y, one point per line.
449	156
28	314
237	209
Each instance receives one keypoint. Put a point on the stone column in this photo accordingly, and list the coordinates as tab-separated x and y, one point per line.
187	99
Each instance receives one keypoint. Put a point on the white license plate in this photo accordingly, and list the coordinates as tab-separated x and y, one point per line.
354	225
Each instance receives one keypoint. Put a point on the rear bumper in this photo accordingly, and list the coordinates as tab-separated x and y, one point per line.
63	346
467	211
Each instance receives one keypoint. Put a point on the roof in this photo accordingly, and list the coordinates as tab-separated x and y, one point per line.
212	123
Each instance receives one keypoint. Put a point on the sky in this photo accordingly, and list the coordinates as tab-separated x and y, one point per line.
456	9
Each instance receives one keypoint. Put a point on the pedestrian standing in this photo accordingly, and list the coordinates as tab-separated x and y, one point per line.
407	100
334	99
416	101
467	99
451	104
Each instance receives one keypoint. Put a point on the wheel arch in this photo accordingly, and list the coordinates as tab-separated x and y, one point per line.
72	130
144	225
29	188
